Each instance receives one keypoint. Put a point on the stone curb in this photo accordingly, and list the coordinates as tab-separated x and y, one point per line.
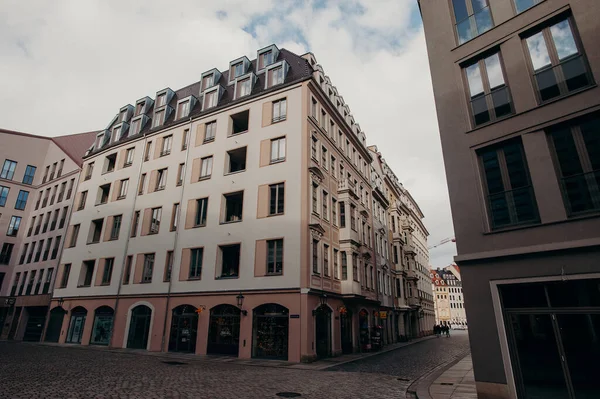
419	388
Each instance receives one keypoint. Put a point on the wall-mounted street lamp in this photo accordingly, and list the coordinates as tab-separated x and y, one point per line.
61	301
240	302
323	299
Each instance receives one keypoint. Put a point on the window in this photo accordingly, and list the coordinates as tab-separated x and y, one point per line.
210	99
490	98
315	256
472	18
510	196
74	234
13	226
206	167
325	204
174	217
89	170
334	211
315	199
65	276
278	149
70	190
161	179
333	169
87	271
23	254
8	169
168	266
577	154
116	227
279	110
167	142
313	148
3	195
82	199
244	87
123	188
148	268
342	214
335	264
324	157
127	273
522	5
180	174
95	231
155	220
239	122
56	248
185	141
196	263
326	260
233	206
230	260
210	130
265	59
147	151
275	256
207	81
201	211
22	200
135	127
236	160
61	194
276	198
107	272
323	119
183	109
103	192
142	184
159	118
353	217
29	174
558	61
238	69
109	163
134	225
116	136
6	253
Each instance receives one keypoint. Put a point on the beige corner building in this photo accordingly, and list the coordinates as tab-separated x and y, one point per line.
233	216
515	85
38	181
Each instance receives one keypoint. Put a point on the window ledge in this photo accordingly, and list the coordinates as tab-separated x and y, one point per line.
234	173
84	286
126	165
113	239
206	141
275	214
573	218
272	162
232	221
121	197
226	277
198	225
107	172
273	121
105	284
204	178
273	274
194	279
92	242
179	183
159	189
164	154
238	133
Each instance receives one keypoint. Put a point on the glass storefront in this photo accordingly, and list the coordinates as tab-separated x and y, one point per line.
184	329
76	325
103	323
553	330
270	332
139	327
363	329
224	330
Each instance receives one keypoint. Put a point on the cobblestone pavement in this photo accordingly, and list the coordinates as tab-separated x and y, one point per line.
412	361
40	371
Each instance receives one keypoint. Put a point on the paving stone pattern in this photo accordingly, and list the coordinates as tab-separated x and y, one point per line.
413	361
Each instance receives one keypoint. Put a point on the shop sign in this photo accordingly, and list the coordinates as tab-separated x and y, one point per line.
383	314
294	316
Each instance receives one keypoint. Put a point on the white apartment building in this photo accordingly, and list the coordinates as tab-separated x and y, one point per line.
232	216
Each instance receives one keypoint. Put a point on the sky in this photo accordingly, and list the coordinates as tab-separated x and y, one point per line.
68	66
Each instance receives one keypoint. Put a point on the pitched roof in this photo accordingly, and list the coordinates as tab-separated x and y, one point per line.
299	69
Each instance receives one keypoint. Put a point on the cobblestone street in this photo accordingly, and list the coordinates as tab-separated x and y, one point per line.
39	371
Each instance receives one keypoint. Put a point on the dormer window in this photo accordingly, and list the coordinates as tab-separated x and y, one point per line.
117	133
161	100
124	116
265	59
159	118
210	99
276	75
244	87
140	108
207	81
135	126
238	69
183	109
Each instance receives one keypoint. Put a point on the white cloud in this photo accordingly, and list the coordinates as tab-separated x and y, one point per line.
68	66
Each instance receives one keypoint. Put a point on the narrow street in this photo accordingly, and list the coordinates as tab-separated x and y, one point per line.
40	371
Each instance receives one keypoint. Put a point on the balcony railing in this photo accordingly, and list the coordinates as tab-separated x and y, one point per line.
570	75
582	192
492	106
412	301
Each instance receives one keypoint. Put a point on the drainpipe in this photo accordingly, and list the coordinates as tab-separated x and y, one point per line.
132	213
187	152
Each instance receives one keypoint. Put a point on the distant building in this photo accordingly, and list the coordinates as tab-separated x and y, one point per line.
37	186
448	296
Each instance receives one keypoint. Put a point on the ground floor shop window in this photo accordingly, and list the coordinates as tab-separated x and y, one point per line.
139	327
102	329
270	332
76	325
224	330
363	329
184	329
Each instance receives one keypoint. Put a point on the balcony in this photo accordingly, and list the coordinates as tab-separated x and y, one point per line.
413	302
397	236
346	186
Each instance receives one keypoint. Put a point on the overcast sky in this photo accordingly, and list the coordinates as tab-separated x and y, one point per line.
68	66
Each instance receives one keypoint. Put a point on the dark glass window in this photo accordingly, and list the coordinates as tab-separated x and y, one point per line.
472	18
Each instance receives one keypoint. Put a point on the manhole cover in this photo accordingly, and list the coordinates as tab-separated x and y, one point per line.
288	394
447	383
173	363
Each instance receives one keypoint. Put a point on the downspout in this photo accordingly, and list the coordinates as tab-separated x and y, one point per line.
132	213
187	152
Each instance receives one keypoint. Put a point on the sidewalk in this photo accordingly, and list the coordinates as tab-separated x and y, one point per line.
316	365
457	382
